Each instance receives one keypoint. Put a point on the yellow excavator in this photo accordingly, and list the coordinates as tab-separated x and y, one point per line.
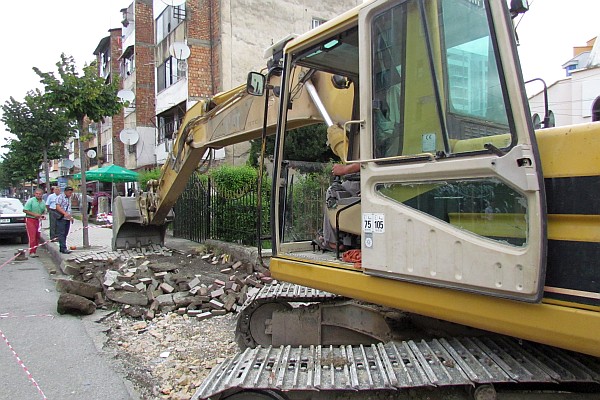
479	239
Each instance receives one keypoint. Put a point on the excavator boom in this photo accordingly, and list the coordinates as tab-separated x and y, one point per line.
228	118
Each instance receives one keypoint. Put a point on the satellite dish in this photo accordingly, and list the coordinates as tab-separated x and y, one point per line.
77	163
126	96
67	163
182	65
91	153
179	50
174	3
129	136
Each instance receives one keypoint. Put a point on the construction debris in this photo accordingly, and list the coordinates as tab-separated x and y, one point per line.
130	278
73	304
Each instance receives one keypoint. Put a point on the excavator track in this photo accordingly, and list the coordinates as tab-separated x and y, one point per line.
395	366
282	294
387	370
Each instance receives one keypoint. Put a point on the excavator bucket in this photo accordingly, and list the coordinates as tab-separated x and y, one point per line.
128	228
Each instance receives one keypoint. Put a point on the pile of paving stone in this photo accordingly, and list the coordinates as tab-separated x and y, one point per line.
146	287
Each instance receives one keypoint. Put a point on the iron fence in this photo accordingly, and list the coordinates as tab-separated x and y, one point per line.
203	212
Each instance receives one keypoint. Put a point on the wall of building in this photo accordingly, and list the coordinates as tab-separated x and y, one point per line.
571	99
559	99
145	87
586	89
249	27
117	150
140	116
227	39
203	39
144	149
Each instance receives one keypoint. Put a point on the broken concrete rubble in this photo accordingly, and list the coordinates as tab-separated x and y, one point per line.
77	287
69	303
124	297
163	287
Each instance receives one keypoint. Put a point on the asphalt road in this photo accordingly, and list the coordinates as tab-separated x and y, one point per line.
62	353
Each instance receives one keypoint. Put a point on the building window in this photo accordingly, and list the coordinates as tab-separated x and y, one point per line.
104	67
167	73
317	22
107	153
169	122
170	18
93	128
127	62
570	69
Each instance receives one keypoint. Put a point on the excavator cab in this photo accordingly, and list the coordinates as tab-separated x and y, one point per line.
451	190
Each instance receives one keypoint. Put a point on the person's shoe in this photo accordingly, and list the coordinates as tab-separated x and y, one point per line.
66	251
33	255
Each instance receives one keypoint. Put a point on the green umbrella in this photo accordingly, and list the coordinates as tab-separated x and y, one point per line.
110	173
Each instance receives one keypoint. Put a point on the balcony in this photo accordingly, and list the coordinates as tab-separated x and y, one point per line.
168	129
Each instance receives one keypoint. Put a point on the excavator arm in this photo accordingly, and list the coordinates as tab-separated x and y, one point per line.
231	117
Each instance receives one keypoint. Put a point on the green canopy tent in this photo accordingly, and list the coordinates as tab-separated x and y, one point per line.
110	173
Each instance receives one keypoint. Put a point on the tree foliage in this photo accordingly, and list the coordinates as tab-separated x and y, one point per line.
12	172
235	180
41	131
308	143
145	176
81	95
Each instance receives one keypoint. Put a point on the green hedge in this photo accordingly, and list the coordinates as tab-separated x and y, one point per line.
234	204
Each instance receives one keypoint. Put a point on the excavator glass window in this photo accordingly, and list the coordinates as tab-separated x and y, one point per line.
323	92
338	55
485	207
436	89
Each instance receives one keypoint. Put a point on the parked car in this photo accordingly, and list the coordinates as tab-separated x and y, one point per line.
12	219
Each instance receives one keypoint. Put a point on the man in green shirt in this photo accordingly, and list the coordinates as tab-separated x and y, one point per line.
34	209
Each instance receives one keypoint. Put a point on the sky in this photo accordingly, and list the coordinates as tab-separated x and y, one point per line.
36	32
549	31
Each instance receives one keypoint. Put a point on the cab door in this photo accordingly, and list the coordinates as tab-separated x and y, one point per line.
451	183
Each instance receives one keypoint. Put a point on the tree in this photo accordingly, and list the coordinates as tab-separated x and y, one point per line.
10	176
308	143
81	96
41	132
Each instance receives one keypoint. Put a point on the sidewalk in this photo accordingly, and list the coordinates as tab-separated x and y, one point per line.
99	239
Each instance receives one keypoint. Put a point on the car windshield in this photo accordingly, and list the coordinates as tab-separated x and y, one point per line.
10	206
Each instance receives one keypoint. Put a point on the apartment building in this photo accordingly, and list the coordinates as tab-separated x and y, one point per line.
226	39
137	68
168	54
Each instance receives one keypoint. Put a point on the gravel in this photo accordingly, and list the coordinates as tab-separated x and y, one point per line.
169	356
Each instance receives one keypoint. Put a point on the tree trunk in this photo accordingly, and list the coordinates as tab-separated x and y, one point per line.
47	170
83	202
99	152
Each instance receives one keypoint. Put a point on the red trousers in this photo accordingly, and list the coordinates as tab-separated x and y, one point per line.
32	225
